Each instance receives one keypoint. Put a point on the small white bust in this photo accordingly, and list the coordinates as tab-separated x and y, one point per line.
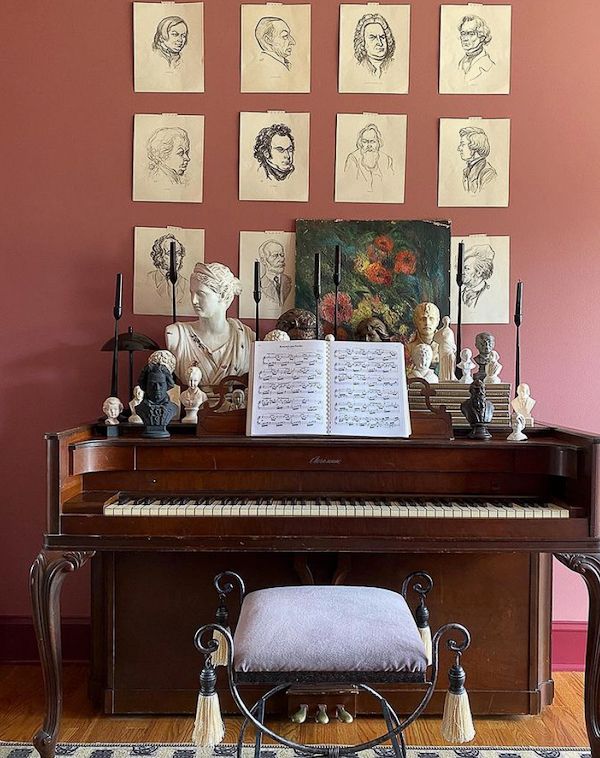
111	407
329	338
517	423
444	337
492	369
467	364
276	335
422	355
193	397
523	403
138	396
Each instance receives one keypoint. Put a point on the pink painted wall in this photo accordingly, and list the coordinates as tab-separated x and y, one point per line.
67	216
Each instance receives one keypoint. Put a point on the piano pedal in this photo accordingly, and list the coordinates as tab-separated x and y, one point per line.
322	717
343	715
299	717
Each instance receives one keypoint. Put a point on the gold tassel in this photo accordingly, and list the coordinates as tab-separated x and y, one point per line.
457	722
209	729
425	632
219	657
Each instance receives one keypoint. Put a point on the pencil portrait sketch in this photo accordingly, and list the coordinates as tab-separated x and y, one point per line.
275	40
374	44
368	165
474	35
275	251
274	151
478	269
168	151
276	285
160	254
485	290
474	149
170	38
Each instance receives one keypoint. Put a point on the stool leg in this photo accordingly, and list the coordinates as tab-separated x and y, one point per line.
399	749
260	715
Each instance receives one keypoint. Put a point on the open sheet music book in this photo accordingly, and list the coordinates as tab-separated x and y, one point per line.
338	388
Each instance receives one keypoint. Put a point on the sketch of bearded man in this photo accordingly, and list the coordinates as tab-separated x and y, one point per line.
368	164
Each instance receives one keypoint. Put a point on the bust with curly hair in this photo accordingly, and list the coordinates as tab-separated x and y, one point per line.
374	43
274	150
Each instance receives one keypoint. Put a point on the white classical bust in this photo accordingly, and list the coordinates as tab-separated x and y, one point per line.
492	369
467	364
444	337
193	397
138	396
523	403
517	423
276	335
111	408
422	355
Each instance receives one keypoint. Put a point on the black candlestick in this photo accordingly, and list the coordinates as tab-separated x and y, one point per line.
117	313
257	295
173	275
317	290
518	319
459	282
337	278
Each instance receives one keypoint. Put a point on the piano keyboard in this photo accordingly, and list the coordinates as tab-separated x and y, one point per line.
294	507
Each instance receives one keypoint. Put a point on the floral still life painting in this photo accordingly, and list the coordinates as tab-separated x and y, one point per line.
388	268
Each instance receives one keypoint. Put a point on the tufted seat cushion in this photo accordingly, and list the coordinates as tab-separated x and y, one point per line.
314	628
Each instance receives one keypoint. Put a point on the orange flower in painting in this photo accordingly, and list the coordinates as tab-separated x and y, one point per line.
405	262
344	307
385	243
378	274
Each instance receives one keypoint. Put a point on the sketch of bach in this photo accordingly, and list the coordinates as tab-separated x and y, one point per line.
274	151
474	35
168	151
161	257
374	44
275	40
276	285
478	268
368	164
170	38
474	149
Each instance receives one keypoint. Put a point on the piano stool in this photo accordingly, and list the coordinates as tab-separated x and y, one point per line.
330	636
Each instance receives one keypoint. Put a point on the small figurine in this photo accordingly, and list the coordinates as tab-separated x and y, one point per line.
372	330
467	364
156	409
426	318
421	357
444	337
517	424
485	343
137	398
298	324
276	335
478	411
238	399
493	369
111	408
193	397
523	403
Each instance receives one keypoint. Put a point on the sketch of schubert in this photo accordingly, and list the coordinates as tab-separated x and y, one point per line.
374	44
170	38
474	148
275	41
368	164
478	267
168	151
161	258
474	36
276	285
274	151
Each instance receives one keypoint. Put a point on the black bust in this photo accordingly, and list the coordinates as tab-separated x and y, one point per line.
485	343
156	409
478	411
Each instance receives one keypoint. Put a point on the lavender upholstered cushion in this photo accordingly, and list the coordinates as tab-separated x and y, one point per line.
327	628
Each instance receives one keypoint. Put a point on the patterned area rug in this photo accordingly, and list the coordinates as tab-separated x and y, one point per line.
159	750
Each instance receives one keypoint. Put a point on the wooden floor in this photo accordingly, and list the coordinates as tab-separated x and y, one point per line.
22	702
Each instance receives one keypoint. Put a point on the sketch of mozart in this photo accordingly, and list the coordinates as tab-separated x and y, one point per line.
369	166
160	253
275	41
276	285
374	44
274	151
170	38
168	153
474	149
478	269
474	35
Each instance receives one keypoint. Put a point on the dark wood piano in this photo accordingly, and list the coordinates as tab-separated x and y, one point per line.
163	516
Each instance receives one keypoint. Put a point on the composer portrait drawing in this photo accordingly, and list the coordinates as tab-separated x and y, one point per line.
368	165
276	285
474	35
161	258
474	149
374	44
169	40
478	269
168	152
274	151
275	40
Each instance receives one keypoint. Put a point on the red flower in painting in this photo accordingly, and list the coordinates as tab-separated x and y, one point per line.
406	262
378	274
344	307
385	243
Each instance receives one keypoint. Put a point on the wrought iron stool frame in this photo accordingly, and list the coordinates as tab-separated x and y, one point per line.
282	679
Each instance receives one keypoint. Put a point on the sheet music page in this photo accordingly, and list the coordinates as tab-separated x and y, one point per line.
368	394
288	391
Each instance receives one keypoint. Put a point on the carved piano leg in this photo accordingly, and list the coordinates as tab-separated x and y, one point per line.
588	565
46	577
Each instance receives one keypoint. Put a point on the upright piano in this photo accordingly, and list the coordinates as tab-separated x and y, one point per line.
474	513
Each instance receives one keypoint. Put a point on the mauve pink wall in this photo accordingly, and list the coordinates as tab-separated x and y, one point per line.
67	215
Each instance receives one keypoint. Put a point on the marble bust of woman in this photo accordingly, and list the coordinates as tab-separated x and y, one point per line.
218	345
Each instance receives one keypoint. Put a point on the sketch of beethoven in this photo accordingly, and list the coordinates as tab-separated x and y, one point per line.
168	150
374	44
478	268
474	148
368	164
276	285
275	40
274	151
161	258
170	38
474	36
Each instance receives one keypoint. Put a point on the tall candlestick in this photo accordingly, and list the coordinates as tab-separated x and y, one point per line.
257	295
337	278
317	290
173	277
519	303
459	282
118	309
117	313
518	318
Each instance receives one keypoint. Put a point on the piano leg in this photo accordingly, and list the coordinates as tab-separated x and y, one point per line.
588	565
46	577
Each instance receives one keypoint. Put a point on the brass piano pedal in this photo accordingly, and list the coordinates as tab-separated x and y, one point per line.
343	715
322	717
299	717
